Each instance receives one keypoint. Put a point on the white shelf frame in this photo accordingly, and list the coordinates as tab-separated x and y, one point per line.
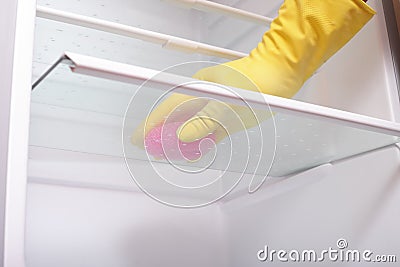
208	6
137	75
165	40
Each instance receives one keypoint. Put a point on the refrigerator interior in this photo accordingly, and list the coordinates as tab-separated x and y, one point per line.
326	180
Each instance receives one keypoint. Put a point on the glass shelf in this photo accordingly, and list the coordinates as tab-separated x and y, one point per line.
92	105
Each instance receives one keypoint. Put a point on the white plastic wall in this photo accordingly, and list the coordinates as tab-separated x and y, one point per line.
80	214
356	200
70	226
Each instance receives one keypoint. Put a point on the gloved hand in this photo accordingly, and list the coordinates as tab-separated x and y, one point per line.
305	34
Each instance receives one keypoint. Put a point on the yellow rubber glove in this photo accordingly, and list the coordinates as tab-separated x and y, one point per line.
305	34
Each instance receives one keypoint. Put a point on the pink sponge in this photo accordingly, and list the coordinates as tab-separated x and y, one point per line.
162	142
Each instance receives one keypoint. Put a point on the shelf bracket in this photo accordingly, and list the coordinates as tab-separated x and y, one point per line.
63	59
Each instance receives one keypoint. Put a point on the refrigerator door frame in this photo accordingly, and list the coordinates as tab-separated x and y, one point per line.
16	50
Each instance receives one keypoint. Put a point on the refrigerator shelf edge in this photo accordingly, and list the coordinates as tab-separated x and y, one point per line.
209	6
167	41
137	75
87	99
